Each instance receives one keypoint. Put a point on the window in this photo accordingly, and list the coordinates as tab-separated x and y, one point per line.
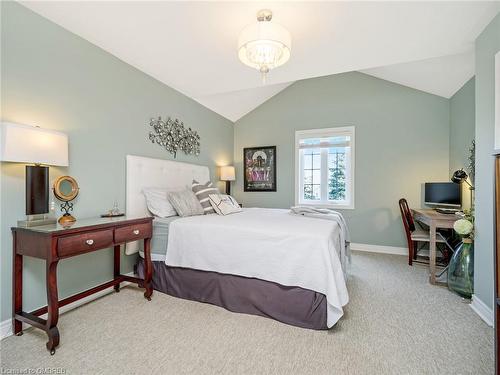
324	167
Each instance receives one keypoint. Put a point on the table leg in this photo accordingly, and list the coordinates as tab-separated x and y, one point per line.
17	291
148	269
117	265
432	253
52	307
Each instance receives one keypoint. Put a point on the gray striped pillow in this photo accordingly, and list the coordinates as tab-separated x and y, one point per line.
202	191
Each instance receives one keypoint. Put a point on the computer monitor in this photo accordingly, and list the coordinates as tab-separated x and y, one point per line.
444	194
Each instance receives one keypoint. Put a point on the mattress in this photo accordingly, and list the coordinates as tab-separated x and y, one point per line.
159	240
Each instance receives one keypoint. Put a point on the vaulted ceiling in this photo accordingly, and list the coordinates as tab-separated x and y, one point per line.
191	46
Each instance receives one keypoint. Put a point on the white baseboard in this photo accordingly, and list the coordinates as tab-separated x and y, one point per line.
6	325
5	328
379	249
481	309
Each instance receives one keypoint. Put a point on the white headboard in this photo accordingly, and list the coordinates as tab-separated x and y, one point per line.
148	172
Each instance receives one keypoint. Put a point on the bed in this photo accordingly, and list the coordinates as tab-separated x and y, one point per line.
266	262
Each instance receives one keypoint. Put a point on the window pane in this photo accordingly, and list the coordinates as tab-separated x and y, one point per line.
307	161
309	141
308	179
317	161
336	174
308	151
308	192
311	172
316	176
340	140
316	192
312	192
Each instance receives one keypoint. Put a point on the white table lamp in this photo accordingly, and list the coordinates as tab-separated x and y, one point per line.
227	174
33	145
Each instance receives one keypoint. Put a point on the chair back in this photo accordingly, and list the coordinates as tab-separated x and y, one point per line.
407	217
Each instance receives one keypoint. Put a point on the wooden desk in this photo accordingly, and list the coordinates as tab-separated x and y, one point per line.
434	220
52	243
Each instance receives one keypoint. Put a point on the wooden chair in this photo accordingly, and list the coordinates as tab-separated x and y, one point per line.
414	235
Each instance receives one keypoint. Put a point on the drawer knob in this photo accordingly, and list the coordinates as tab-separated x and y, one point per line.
89	242
136	231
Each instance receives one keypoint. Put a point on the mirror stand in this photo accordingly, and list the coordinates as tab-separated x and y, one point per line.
66	218
66	189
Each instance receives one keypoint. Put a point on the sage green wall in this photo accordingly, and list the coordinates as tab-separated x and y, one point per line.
487	45
462	124
462	129
57	80
402	138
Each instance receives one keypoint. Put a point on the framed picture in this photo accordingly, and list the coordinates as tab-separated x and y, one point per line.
260	168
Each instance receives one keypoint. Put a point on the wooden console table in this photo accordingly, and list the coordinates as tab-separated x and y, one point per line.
434	220
53	242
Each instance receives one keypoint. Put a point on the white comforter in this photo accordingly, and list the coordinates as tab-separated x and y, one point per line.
268	244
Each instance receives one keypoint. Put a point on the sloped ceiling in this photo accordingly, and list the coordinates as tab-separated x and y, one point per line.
442	76
191	46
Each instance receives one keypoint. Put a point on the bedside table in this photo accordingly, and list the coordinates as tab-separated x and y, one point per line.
54	242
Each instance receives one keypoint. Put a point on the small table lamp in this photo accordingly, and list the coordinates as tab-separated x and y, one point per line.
30	144
227	174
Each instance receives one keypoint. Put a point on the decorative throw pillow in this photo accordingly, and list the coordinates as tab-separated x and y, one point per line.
202	191
224	204
157	202
185	203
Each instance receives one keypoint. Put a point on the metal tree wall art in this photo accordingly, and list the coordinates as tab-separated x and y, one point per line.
173	136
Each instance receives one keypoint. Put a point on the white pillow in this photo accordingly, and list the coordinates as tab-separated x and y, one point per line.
158	203
224	204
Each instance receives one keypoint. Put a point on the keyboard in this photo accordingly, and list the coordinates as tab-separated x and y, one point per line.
447	211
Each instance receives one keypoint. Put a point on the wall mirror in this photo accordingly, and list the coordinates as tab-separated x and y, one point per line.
66	189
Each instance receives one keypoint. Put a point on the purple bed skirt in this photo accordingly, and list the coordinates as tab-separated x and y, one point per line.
291	305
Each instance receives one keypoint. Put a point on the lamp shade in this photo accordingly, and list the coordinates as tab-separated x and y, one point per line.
264	44
227	173
30	144
459	176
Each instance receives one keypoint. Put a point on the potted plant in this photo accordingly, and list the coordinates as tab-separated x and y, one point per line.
461	267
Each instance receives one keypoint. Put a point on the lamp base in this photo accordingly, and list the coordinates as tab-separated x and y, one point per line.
36	220
37	190
228	187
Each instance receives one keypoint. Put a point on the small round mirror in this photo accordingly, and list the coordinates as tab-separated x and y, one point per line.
65	188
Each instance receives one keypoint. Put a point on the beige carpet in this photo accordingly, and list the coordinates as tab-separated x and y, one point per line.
395	323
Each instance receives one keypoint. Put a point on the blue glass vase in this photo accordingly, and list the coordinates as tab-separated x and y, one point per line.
461	269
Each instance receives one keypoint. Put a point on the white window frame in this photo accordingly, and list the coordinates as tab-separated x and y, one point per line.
320	133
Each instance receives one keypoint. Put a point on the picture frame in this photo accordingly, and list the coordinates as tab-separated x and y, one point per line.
259	168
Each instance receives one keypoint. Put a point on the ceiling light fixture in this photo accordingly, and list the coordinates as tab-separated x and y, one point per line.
264	45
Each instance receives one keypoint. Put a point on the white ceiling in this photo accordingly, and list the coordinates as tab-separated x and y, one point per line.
442	76
191	46
235	104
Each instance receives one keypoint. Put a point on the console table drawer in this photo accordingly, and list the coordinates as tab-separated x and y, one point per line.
84	242
132	232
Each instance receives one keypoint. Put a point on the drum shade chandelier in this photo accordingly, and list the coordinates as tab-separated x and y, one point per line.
264	45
